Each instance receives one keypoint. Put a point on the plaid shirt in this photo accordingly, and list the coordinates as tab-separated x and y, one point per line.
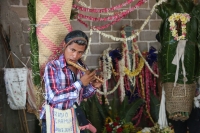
61	87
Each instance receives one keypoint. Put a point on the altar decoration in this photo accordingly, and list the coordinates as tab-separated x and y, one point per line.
179	55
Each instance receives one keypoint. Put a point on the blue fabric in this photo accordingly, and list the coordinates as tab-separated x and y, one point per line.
44	128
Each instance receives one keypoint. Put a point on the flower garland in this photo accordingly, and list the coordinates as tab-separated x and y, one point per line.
105	10
121	79
135	34
184	18
136	71
89	43
146	63
115	16
103	26
197	101
107	68
117	126
82	3
107	71
107	13
128	63
110	92
144	97
156	129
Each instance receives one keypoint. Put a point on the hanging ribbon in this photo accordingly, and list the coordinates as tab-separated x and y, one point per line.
162	121
180	50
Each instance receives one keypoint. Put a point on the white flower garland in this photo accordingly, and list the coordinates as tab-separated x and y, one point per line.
132	80
184	18
109	92
107	68
121	65
146	63
83	4
89	43
197	101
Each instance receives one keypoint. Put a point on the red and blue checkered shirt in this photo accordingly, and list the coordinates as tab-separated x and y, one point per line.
61	87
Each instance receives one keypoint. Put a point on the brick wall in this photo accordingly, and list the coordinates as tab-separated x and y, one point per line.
16	24
135	19
14	16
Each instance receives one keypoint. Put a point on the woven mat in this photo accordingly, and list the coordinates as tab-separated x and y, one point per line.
53	23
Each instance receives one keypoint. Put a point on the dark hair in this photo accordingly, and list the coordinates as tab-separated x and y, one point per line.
79	34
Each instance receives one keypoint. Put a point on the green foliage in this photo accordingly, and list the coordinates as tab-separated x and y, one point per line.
127	110
98	113
94	112
31	7
155	106
168	49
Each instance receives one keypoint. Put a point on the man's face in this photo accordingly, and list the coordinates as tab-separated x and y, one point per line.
74	52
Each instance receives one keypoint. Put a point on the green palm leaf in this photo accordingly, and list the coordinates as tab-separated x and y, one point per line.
133	107
33	42
168	49
155	105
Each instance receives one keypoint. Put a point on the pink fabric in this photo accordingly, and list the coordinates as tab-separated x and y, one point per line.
89	127
53	23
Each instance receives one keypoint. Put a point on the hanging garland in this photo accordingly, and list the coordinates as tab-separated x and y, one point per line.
115	16
103	26
85	8
89	43
108	13
135	34
118	18
175	17
136	71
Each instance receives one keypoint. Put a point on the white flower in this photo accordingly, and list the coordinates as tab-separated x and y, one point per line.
146	130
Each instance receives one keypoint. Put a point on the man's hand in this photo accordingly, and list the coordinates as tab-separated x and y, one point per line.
88	77
96	83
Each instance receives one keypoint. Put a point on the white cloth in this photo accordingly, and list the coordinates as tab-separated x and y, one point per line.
16	85
58	121
162	120
180	50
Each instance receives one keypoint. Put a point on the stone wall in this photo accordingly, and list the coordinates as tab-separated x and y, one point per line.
15	23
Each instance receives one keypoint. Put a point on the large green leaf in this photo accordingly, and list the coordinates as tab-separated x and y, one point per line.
31	7
132	109
155	105
94	113
168	44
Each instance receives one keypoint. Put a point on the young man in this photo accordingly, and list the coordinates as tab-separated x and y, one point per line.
65	84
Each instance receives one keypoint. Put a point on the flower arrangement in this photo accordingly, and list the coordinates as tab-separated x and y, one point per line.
176	17
118	126
156	129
